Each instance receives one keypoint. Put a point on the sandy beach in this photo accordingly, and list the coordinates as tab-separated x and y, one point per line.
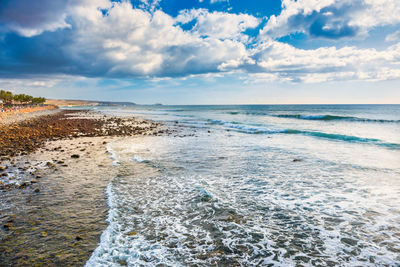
54	170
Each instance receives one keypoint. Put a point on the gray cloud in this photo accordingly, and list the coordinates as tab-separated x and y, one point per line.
30	18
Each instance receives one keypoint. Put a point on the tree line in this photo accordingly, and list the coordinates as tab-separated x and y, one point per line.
9	98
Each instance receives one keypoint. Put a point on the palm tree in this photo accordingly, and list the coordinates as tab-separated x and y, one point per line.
8	97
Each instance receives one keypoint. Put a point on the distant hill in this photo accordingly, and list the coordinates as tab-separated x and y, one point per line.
73	103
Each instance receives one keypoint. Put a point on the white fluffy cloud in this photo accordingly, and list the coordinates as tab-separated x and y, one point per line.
332	18
279	61
135	42
218	24
393	37
114	39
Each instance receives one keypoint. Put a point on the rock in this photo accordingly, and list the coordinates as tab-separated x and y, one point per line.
49	164
37	190
4	174
7	226
75	156
38	176
297	160
349	241
34	181
78	238
21	186
2	168
122	262
44	234
302	258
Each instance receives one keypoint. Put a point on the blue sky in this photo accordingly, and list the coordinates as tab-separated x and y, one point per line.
203	52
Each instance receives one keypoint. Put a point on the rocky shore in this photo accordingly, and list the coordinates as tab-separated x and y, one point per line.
53	172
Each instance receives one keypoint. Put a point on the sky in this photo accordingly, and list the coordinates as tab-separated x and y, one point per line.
203	51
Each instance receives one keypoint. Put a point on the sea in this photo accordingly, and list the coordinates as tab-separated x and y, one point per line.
256	185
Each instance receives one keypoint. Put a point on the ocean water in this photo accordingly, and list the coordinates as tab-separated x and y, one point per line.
274	185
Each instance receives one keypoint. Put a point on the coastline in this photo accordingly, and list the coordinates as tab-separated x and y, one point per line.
54	206
25	113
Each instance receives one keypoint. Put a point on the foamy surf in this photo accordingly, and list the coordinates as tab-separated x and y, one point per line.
139	159
300	194
112	155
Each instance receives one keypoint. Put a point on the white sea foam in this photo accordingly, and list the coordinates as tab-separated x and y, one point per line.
112	155
139	159
219	199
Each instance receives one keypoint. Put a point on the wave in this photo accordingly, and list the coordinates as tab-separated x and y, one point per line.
342	137
332	118
263	129
112	154
99	255
254	113
140	160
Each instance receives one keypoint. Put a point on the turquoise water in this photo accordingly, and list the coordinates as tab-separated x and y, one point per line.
256	185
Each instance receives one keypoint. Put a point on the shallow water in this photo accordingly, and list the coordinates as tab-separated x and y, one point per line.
257	185
61	224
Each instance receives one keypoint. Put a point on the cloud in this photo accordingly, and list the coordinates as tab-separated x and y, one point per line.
331	18
30	18
117	40
324	64
218	24
124	42
134	42
394	37
216	1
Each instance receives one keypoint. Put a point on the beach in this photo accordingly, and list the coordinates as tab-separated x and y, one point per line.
54	171
247	185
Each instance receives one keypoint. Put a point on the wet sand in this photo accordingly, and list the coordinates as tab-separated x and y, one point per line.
53	204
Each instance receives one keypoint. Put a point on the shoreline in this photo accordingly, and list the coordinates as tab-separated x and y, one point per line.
24	113
54	206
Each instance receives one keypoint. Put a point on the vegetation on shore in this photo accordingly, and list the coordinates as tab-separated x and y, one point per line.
8	98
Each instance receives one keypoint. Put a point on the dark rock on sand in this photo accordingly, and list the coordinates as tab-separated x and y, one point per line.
22	185
349	241
75	156
27	136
